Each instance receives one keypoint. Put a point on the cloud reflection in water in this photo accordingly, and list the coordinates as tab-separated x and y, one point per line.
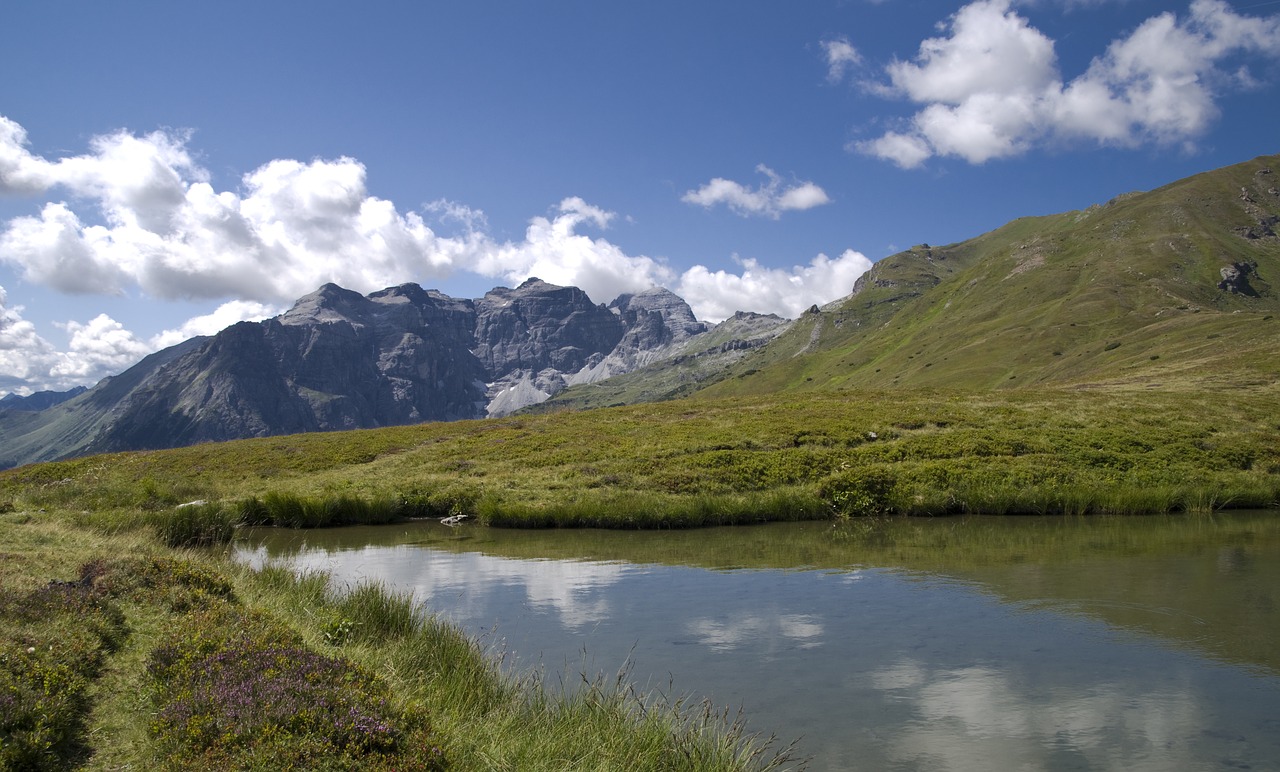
983	718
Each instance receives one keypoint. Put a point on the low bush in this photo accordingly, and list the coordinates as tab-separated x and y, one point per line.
234	688
861	491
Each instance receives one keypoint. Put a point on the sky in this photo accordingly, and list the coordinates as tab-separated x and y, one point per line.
168	169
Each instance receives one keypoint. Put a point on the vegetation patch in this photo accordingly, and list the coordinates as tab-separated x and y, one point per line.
53	642
711	462
235	689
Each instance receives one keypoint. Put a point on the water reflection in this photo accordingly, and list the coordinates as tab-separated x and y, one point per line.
1048	646
981	718
462	584
805	630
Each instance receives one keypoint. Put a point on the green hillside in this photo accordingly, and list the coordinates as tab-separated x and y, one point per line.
1129	293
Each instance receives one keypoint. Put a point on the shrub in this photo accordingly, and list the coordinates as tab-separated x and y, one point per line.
236	689
860	492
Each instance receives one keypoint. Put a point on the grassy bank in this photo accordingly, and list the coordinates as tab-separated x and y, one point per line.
119	652
707	462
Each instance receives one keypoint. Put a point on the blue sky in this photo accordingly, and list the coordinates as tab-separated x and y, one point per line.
170	168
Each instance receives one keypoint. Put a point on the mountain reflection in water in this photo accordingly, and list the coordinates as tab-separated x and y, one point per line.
975	643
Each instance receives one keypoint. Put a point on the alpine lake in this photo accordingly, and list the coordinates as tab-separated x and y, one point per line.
966	643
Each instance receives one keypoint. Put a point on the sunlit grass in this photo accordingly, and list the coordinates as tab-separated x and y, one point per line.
705	462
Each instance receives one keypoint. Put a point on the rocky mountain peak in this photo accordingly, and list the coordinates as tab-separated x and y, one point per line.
328	304
540	325
657	317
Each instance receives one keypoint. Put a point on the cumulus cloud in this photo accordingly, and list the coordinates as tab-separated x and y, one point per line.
97	348
222	317
158	224
138	213
29	362
25	357
716	295
554	251
770	199
991	87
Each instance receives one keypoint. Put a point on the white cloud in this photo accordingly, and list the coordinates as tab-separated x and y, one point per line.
141	214
768	200
222	317
991	50
452	211
99	347
95	349
905	150
29	362
716	295
25	357
992	88
841	57
158	224
20	172
555	252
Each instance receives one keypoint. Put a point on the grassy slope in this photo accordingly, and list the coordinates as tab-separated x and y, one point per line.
1123	294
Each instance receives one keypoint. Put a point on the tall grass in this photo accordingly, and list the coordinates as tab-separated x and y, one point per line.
631	510
200	524
488	719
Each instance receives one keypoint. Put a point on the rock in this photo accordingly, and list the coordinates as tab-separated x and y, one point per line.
1235	279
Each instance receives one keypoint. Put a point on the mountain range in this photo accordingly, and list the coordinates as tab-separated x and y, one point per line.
1172	288
341	360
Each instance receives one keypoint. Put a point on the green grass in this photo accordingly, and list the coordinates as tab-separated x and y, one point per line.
150	657
706	462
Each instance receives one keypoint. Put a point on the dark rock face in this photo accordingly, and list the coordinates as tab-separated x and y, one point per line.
539	325
657	317
342	360
336	360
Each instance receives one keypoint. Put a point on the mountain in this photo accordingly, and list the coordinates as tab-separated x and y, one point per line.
39	400
1178	287
677	369
341	360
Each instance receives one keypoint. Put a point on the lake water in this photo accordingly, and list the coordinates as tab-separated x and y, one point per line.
951	644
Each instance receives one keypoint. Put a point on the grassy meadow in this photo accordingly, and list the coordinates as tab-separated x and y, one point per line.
709	462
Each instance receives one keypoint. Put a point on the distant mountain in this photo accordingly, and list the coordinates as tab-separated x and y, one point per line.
677	369
39	400
341	360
